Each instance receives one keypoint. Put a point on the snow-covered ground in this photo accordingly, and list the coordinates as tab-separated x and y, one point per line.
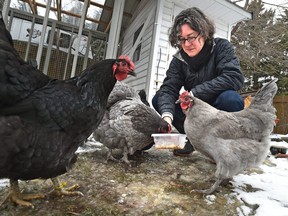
271	194
272	188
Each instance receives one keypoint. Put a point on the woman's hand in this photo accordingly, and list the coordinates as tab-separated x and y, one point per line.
168	120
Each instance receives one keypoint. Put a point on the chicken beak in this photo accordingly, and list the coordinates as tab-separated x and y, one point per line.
132	73
178	101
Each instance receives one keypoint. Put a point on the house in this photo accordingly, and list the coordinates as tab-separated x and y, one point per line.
146	38
138	28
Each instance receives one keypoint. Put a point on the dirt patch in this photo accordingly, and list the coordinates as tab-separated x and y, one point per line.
158	183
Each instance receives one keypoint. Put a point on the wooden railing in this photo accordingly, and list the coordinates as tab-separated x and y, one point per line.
280	102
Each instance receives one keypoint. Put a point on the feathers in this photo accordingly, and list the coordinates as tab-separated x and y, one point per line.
48	118
128	123
18	79
44	121
234	140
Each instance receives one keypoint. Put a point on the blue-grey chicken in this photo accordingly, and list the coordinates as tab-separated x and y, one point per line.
234	140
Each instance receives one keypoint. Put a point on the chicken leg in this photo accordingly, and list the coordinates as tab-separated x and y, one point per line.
212	188
110	156
125	156
60	190
19	198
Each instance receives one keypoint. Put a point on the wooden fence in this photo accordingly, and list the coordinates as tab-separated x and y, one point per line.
280	102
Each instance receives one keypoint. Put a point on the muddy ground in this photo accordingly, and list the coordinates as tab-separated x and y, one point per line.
158	183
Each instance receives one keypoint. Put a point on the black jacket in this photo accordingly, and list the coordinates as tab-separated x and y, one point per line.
221	72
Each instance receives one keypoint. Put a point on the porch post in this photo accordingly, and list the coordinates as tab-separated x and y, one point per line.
43	33
115	28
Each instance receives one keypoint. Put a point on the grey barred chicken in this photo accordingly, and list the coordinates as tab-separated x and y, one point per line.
121	91
44	121
128	123
234	140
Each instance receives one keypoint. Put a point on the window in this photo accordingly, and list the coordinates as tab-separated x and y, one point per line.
136	54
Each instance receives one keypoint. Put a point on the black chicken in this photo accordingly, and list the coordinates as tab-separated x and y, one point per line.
143	97
18	79
128	123
43	121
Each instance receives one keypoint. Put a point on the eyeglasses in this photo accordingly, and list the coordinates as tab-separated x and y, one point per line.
190	39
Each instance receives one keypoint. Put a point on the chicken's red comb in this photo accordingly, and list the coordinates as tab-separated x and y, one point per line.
185	93
130	62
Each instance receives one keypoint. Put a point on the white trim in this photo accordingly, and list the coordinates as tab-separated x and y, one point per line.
152	67
5	10
229	32
115	29
235	8
49	48
87	50
43	33
82	21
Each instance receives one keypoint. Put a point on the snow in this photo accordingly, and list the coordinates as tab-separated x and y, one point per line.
270	187
273	187
90	146
280	143
4	182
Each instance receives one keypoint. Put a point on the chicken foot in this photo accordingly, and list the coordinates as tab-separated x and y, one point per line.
125	156
19	198
60	190
211	189
110	156
125	159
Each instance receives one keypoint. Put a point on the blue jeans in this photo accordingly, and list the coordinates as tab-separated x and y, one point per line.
229	101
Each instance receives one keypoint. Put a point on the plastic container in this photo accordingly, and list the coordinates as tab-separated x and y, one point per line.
169	141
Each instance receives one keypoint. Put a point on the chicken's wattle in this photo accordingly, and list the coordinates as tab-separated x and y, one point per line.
186	105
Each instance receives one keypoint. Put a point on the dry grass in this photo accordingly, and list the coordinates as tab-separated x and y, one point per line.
158	183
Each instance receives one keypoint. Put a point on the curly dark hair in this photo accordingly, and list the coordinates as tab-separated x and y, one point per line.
197	20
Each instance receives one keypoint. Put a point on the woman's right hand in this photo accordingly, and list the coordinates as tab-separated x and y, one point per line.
168	120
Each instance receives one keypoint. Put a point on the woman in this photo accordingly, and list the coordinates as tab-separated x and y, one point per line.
204	65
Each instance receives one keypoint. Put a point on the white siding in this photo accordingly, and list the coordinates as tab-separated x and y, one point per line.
170	9
156	52
142	66
222	30
160	65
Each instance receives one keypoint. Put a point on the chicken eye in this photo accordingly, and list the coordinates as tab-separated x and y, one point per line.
186	99
123	63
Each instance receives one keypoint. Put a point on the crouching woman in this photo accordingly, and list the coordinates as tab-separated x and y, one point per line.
204	65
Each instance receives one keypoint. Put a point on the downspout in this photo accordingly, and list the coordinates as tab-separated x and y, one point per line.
229	32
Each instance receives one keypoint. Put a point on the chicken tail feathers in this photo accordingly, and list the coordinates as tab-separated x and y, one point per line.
5	35
266	94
